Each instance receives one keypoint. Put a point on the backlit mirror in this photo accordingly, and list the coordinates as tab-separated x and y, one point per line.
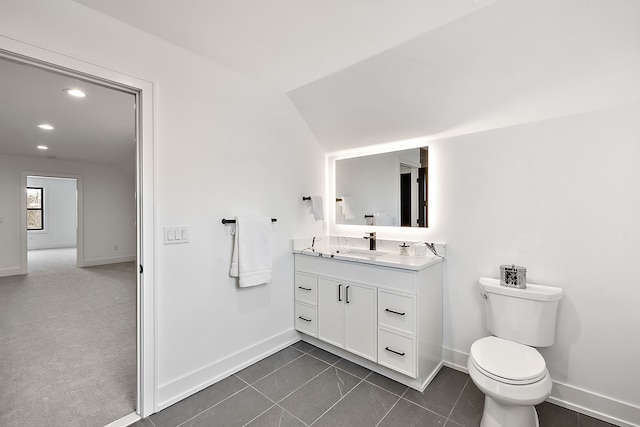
387	189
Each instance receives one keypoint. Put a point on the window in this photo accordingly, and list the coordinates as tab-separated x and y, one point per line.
35	208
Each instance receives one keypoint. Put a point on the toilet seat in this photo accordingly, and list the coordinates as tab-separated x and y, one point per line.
507	361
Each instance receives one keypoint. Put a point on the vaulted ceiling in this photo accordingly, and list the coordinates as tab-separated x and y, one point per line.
288	43
361	72
365	73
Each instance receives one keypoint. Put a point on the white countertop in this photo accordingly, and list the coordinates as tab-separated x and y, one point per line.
385	258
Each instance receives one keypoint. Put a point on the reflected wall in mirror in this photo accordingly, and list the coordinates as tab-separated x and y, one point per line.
387	189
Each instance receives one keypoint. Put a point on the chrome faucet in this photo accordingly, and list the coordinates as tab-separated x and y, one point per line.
372	240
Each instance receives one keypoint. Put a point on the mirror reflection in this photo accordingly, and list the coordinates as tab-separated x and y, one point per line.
387	189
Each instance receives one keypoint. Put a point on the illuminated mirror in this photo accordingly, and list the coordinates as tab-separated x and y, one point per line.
387	189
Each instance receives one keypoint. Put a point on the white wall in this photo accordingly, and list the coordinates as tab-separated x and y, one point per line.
560	197
60	214
225	145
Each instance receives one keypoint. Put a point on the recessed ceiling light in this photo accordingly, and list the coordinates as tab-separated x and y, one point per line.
42	147
75	92
45	126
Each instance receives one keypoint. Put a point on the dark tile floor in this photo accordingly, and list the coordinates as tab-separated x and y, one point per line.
303	385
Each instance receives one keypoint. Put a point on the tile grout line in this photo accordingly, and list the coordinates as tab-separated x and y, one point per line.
311	379
302	353
307	382
382	388
213	406
457	400
284	409
276	403
339	400
276	370
390	409
423	407
260	414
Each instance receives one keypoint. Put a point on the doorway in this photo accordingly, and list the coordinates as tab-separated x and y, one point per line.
408	191
140	156
52	220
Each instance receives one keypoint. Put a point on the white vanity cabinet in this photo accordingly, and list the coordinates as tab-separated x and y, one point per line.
384	318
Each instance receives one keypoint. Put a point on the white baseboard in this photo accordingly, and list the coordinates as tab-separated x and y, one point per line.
11	271
36	246
185	386
125	421
595	405
104	261
586	402
455	359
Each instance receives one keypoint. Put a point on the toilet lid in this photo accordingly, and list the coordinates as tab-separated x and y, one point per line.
508	361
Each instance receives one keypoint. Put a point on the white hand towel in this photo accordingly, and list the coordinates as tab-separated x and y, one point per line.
317	207
347	207
251	260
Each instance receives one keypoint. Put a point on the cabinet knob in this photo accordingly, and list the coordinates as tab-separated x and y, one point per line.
303	288
394	312
304	318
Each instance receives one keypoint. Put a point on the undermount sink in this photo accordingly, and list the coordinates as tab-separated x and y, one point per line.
360	252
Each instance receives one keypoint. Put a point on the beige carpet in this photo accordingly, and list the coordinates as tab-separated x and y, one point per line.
67	343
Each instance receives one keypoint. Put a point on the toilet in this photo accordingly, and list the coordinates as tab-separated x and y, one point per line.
505	366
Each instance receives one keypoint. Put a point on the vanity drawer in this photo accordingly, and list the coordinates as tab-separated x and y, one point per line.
306	288
396	311
306	319
397	352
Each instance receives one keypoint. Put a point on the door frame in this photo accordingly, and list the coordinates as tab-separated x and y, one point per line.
24	234
414	166
143	90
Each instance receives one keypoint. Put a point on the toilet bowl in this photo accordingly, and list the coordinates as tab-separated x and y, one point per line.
506	367
513	378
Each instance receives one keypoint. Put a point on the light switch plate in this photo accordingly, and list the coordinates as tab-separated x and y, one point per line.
176	234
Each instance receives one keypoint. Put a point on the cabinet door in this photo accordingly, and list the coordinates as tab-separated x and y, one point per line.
361	324
331	311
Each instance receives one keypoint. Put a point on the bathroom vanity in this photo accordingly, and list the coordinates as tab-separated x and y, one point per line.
378	309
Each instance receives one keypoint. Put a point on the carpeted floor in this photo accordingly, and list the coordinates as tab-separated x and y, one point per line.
67	343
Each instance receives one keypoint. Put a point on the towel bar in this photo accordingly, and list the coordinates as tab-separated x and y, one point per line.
338	199
233	221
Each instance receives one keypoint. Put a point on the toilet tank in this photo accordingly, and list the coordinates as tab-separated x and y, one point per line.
527	316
